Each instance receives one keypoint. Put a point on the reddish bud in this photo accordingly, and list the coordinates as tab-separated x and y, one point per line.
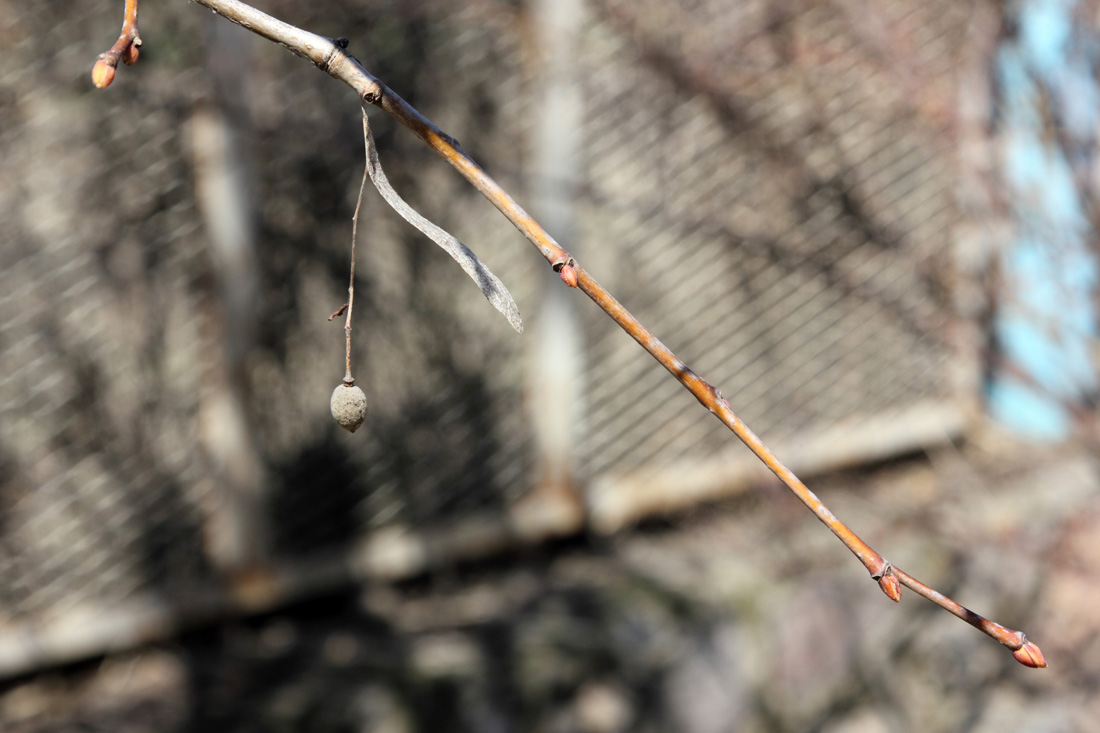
568	275
130	55
890	585
103	73
1030	656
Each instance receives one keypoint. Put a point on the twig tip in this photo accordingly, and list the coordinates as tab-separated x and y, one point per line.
1030	655
103	73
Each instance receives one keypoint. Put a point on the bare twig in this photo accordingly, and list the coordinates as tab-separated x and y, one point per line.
333	59
126	48
348	379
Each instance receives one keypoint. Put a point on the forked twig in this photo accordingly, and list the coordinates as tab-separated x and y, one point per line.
332	58
125	48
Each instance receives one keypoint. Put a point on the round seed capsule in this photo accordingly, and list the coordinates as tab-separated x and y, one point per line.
349	407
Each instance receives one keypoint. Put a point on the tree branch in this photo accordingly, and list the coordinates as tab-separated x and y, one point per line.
332	58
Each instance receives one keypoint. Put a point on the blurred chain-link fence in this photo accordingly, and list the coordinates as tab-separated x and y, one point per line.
770	187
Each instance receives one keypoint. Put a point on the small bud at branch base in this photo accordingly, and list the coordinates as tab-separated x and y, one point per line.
568	275
103	73
130	55
891	586
1030	656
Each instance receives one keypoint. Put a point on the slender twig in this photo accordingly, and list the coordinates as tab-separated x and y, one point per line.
125	48
348	379
331	58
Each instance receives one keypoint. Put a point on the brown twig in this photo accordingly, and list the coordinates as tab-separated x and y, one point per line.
333	59
125	48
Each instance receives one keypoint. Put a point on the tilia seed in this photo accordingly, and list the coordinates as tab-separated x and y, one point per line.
349	407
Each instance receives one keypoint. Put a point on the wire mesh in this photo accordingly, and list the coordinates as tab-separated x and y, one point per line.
768	186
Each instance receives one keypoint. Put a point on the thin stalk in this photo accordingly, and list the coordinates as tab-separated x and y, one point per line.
348	379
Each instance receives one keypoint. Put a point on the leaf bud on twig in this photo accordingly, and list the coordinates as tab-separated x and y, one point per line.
130	55
890	585
568	275
1029	655
103	73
